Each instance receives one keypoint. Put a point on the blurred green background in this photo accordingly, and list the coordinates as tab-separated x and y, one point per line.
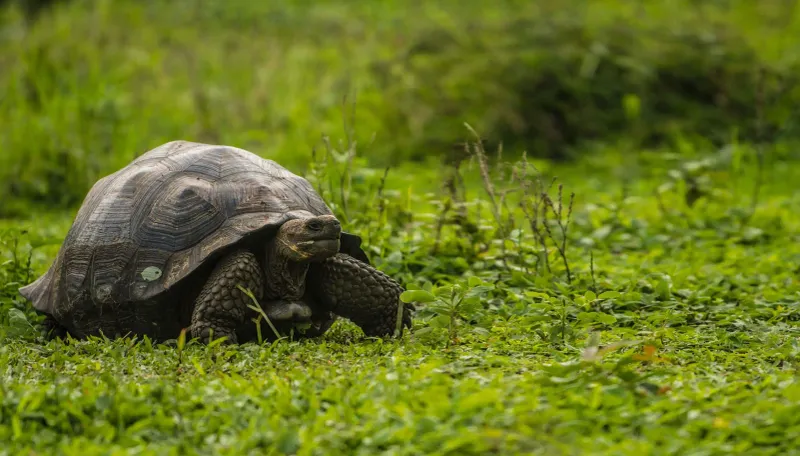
87	85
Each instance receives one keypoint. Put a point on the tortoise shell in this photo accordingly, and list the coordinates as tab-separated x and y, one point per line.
149	225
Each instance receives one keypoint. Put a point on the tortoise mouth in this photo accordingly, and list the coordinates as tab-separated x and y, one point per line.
320	238
316	249
323	246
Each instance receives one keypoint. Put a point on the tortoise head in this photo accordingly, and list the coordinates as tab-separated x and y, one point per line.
309	239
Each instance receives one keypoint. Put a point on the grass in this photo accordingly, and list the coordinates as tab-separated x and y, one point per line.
637	294
676	335
94	83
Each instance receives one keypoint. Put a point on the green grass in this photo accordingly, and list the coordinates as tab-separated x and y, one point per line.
664	322
96	82
677	335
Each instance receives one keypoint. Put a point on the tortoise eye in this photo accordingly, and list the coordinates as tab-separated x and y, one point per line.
314	225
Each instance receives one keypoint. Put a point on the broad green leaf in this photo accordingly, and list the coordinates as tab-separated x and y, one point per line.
470	306
609	295
421	296
444	292
605	318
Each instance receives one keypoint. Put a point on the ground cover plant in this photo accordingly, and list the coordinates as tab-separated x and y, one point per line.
83	83
641	297
674	331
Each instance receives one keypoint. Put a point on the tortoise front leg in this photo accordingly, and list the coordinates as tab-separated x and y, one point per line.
221	306
357	291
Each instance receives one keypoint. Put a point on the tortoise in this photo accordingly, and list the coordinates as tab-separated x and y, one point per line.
170	242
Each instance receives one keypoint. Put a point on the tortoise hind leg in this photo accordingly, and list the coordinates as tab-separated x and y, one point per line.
357	291
52	329
221	306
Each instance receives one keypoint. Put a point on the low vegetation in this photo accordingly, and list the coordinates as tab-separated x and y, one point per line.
661	322
628	287
93	83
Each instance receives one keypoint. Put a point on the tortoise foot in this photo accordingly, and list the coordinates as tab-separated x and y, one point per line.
51	329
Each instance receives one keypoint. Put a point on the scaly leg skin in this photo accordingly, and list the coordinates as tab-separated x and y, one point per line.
221	306
357	291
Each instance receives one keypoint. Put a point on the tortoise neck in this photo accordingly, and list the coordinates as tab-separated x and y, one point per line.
285	278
